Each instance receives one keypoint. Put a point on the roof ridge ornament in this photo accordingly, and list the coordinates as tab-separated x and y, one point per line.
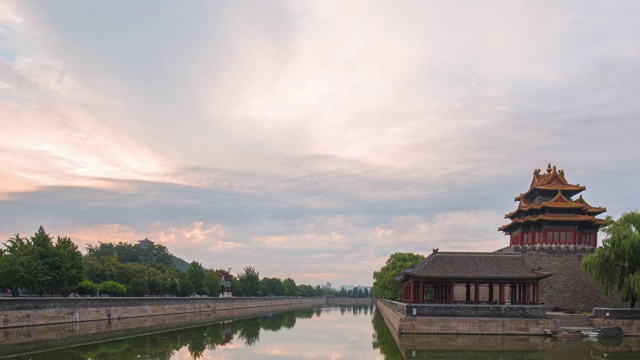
549	168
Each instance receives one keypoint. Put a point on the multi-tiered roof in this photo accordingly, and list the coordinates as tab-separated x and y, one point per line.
547	214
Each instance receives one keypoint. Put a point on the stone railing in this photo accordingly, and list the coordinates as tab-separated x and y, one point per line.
468	310
463	319
616	313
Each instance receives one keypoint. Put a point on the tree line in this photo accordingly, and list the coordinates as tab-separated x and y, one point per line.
41	266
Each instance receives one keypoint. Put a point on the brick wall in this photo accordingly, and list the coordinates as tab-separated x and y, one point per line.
568	287
349	301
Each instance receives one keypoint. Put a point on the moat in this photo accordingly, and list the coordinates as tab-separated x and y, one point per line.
329	332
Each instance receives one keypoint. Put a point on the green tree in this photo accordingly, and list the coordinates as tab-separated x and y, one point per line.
385	285
616	264
153	277
289	286
67	268
271	286
197	275
42	258
169	281
112	288
250	281
87	287
138	287
155	253
185	287
132	253
236	287
16	266
305	290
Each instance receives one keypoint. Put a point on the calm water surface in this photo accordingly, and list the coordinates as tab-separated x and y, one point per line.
338	332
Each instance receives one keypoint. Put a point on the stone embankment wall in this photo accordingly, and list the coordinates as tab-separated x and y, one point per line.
568	287
16	340
349	301
627	319
403	322
15	312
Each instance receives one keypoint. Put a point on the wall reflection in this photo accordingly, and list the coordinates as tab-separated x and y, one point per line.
514	347
198	341
340	332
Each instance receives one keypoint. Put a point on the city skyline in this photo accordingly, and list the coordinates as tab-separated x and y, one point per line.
309	140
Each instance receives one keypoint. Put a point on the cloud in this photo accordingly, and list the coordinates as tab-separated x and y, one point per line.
310	138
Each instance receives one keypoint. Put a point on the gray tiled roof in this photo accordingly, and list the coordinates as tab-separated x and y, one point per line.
474	266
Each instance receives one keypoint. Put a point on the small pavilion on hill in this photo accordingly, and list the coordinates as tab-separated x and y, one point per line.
547	214
472	278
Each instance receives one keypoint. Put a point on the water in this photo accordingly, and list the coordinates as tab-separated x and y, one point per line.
337	332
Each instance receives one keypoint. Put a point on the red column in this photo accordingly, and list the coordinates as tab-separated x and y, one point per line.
411	292
406	292
490	292
521	293
476	293
452	288
501	294
527	297
468	294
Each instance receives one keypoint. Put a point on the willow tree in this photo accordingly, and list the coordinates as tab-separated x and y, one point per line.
616	265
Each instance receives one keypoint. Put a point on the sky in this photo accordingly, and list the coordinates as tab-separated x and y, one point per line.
309	139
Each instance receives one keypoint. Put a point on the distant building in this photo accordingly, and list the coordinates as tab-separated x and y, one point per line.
146	243
327	286
225	278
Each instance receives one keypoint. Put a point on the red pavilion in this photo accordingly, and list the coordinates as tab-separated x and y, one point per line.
547	214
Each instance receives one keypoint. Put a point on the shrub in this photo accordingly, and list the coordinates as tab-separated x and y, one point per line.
87	287
112	288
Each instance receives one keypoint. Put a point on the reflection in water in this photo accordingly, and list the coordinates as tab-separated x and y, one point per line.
513	347
383	339
196	340
337	332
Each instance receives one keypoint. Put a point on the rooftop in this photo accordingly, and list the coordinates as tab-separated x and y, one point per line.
474	266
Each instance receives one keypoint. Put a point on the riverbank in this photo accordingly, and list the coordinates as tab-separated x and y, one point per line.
24	312
34	338
405	318
403	322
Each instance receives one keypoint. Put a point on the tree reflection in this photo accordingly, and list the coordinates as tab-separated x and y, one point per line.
197	340
383	340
